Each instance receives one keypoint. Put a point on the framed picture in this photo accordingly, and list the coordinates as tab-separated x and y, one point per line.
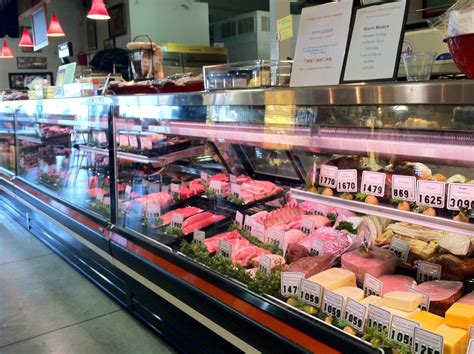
433	8
109	43
20	81
34	63
117	21
91	34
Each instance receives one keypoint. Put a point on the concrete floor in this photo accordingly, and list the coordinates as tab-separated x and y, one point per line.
47	307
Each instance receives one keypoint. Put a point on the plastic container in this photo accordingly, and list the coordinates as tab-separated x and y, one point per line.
418	66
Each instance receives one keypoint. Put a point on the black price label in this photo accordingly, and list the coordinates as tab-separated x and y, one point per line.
328	176
373	183
460	196
347	181
404	188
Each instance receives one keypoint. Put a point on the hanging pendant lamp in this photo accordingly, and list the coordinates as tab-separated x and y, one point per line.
55	29
25	40
6	52
98	11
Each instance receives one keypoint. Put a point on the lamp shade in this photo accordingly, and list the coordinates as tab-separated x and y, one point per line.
6	52
25	40
55	29
98	11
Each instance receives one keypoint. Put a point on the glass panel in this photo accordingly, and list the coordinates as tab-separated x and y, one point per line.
7	138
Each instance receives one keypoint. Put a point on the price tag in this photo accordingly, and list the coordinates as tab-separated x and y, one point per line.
470	347
153	211
216	186
248	224
460	196
347	181
427	271
258	230
332	304
400	248
101	137
128	192
307	226
175	189
320	209
373	183
290	283
123	140
99	197
239	219
378	318
265	264
355	314
328	176
404	188
153	187
275	237
146	143
427	342
402	330
235	189
177	220
425	302
199	236
372	286
317	247
232	179
225	249
133	141
204	177
431	193
310	292
106	201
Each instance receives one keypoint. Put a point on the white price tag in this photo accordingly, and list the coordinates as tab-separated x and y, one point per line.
265	264
373	183
355	314
258	230
402	330
427	271
239	219
425	302
332	304
101	137
235	189
310	292
431	193
232	179
470	347
123	140
400	248
175	189
317	247
225	249
153	187
460	196
426	342
216	187
99	197
199	236
275	237
307	226
328	176
153	211
177	220
290	283
248	224
347	181
204	177
378	318
372	286
404	188
128	192
146	143
133	141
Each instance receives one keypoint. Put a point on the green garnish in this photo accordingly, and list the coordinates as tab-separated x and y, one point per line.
361	196
332	217
210	194
235	199
175	231
346	225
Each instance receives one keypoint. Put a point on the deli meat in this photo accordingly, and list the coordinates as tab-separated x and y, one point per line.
199	221
295	252
186	212
442	293
311	265
212	243
335	242
467	299
244	255
396	282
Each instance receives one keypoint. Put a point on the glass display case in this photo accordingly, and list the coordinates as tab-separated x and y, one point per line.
7	138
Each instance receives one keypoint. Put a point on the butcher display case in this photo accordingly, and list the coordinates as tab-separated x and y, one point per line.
326	219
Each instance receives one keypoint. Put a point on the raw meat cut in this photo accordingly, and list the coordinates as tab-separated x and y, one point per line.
311	265
376	262
193	188
93	192
199	221
467	299
212	243
293	236
442	293
277	217
395	283
295	252
186	212
243	255
335	242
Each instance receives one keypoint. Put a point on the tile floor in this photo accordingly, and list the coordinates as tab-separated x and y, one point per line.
47	307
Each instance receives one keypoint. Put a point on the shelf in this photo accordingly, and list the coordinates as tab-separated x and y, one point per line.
163	160
30	139
387	212
93	149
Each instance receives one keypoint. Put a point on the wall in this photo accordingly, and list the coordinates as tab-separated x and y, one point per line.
179	21
103	27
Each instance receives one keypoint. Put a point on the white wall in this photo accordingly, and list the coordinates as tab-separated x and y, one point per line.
178	21
103	27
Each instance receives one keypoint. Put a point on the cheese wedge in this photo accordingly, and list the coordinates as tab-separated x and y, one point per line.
399	313
402	300
334	278
372	300
455	339
350	291
427	320
460	315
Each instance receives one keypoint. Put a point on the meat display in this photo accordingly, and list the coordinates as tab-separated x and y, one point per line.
280	216
295	252
186	212
335	241
442	293
212	243
200	221
311	265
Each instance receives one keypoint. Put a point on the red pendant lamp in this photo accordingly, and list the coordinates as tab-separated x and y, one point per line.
25	40
55	29
98	11
6	52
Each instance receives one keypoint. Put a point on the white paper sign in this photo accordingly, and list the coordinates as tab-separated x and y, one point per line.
275	237
427	342
310	292
307	226
404	188
355	314
265	264
248	224
199	236
460	196
290	283
372	286
216	186
317	247
133	141
328	176
258	230
235	189
373	48
332	304
373	183
239	219
402	330
431	193
378	318
177	220
321	44
427	271
225	249
400	248
347	181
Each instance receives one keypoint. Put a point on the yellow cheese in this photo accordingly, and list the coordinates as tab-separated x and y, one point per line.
399	313
334	278
402	300
455	339
350	291
427	320
460	315
372	300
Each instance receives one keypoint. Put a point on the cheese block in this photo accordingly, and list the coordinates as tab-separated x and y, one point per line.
455	339
460	315
399	313
427	320
350	291
372	300
334	278
403	300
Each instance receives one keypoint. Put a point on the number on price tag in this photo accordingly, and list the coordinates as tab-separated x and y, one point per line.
328	176
128	192
431	193
317	247
427	271
153	211
307	226
265	264
275	237
347	181
332	304
199	236
310	292
402	330
204	177
133	141
235	189
177	220
355	314
378	318
239	219
372	286
373	183
426	342
290	283
225	249
404	188
460	196
216	187
400	248
425	302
